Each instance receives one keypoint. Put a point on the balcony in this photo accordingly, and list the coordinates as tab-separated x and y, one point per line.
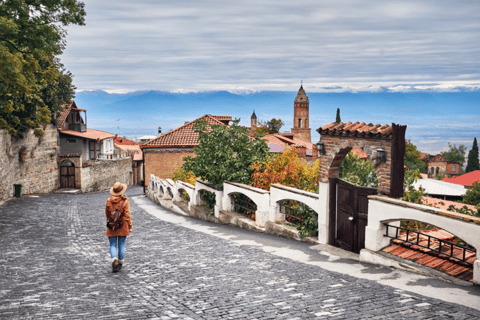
80	127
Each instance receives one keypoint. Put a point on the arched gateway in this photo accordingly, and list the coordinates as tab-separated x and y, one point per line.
347	208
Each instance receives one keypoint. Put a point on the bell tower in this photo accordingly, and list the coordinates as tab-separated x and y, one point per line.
253	120
301	107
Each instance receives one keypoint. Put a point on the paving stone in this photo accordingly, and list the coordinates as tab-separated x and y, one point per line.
54	262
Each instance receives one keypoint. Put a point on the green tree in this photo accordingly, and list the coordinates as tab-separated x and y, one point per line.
412	157
455	153
472	196
33	82
472	163
358	171
225	153
268	127
337	118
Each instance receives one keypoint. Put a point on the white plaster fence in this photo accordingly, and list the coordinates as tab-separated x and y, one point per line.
268	208
381	211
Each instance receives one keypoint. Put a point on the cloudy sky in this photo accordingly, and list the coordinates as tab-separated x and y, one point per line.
342	45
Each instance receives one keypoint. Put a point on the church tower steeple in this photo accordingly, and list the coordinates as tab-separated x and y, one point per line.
301	107
253	120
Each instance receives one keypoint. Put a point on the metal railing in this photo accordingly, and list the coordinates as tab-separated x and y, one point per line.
244	206
291	213
434	244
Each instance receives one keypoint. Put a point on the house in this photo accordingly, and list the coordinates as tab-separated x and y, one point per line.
87	157
164	154
466	179
132	148
438	165
440	189
76	138
277	142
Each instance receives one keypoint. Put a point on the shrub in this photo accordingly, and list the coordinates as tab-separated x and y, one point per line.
184	175
288	169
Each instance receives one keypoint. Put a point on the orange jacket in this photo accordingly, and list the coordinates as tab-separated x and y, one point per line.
116	202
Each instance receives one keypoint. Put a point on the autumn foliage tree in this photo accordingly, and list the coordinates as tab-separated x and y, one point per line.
288	169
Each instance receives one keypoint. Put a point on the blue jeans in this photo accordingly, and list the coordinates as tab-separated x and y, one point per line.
117	247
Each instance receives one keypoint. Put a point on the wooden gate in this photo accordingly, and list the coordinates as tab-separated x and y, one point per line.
67	174
348	214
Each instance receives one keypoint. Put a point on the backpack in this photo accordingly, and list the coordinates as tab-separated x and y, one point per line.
114	218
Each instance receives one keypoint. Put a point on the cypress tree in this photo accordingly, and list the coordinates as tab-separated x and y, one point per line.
472	163
337	120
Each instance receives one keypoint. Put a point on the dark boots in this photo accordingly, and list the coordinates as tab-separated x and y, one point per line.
115	265
120	264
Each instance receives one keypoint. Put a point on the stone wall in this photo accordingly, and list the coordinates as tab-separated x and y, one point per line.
38	171
101	175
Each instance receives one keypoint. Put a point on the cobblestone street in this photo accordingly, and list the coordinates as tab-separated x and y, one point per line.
55	263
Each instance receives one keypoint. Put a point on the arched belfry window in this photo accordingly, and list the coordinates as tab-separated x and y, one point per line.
299	123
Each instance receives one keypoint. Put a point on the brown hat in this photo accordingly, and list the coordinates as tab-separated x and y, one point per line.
118	189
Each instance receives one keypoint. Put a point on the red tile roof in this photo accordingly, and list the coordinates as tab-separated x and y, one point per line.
66	111
466	179
424	155
282	139
89	134
125	142
356	129
129	146
431	258
183	136
64	114
360	153
224	119
444	204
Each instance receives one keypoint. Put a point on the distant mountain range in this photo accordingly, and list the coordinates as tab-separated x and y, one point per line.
433	119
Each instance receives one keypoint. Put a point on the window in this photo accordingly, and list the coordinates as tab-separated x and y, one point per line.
299	123
438	170
454	168
432	170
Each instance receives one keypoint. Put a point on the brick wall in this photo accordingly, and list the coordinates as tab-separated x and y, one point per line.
451	166
38	173
337	147
101	175
163	162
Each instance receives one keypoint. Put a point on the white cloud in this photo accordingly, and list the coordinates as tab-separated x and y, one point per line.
262	45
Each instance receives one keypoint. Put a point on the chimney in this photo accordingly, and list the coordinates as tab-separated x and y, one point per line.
159	131
302	151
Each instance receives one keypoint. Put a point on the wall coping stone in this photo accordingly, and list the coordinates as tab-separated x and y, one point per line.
297	191
208	184
421	207
244	186
185	184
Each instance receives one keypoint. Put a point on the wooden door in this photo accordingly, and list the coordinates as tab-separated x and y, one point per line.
350	215
67	175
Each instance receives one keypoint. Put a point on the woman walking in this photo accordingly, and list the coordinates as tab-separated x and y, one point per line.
119	224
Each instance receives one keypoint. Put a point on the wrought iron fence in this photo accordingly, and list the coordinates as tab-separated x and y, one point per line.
434	244
243	204
291	212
